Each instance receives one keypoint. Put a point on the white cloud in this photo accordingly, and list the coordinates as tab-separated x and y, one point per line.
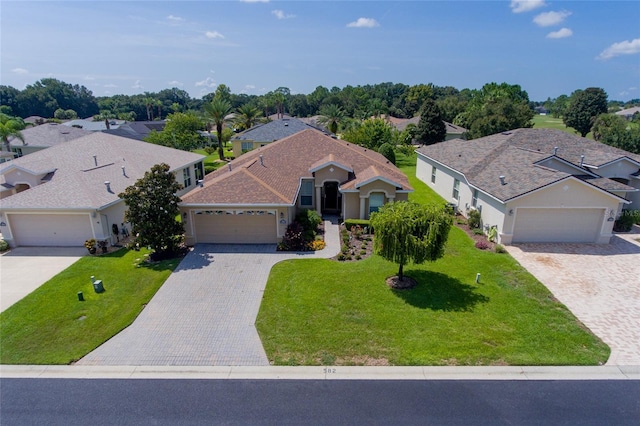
363	23
207	82
175	83
548	19
175	18
623	48
561	33
88	77
519	6
20	71
213	34
281	15
137	85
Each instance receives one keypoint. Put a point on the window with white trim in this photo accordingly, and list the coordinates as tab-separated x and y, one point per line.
433	174
246	146
186	177
456	189
474	198
306	194
376	200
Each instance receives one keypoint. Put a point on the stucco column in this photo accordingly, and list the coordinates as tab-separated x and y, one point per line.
319	200
362	206
391	198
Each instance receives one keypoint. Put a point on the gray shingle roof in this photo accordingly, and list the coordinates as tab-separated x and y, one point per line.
514	155
77	183
49	134
273	130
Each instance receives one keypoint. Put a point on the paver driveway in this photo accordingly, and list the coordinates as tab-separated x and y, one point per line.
205	313
599	283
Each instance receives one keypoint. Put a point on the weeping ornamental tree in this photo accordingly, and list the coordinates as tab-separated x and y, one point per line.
152	209
410	232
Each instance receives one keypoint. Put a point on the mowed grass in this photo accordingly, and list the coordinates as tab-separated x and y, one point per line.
549	122
321	312
51	326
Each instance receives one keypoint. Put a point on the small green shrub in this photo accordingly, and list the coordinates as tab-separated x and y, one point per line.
388	152
624	222
309	219
478	231
499	248
209	150
4	246
474	220
363	223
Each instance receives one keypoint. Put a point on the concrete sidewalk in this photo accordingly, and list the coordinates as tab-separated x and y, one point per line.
321	372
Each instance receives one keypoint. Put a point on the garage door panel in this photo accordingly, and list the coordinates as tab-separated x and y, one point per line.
235	228
50	230
557	225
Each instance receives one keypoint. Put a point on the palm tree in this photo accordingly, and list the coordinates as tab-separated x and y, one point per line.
149	102
218	111
247	116
331	116
10	128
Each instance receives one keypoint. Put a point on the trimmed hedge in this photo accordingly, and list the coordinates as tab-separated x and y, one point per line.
348	223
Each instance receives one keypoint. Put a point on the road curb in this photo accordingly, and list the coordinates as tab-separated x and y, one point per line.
321	373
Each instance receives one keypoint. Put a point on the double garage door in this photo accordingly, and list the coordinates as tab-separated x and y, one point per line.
65	230
557	225
236	227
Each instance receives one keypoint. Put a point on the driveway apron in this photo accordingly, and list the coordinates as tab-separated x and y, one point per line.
598	283
205	312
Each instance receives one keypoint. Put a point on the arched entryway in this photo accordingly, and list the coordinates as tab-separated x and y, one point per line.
331	198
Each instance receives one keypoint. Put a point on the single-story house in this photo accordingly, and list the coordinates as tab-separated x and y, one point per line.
44	136
535	185
453	131
94	126
136	129
68	193
263	134
258	194
629	113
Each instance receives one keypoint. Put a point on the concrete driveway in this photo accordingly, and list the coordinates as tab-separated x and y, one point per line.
599	283
24	269
205	313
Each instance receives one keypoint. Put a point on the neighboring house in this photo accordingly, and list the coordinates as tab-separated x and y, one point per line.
535	185
263	134
453	131
540	110
255	197
629	113
94	126
44	136
68	193
137	129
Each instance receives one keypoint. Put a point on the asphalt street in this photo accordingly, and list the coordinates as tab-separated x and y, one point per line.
323	402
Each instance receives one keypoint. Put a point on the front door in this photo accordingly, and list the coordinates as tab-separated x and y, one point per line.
331	197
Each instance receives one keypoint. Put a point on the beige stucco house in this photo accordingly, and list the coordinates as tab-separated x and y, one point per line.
256	197
535	185
68	193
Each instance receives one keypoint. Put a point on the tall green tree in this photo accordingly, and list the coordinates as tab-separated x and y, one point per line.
615	131
10	127
370	133
498	115
584	107
152	209
246	117
431	128
180	132
218	111
410	232
331	116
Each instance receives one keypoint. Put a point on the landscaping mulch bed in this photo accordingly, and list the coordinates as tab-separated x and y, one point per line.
461	223
354	246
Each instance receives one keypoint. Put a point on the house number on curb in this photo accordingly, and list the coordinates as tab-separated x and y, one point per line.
329	370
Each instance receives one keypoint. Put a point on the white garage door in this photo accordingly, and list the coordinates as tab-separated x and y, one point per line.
236	227
557	225
69	230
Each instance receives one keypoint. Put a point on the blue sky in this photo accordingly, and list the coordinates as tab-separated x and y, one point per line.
549	48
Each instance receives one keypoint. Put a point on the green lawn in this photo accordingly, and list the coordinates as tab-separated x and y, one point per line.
50	325
549	122
317	311
211	161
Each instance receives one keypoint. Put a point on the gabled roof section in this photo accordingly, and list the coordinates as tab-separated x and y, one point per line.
272	174
78	181
516	155
371	174
48	135
329	160
273	130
